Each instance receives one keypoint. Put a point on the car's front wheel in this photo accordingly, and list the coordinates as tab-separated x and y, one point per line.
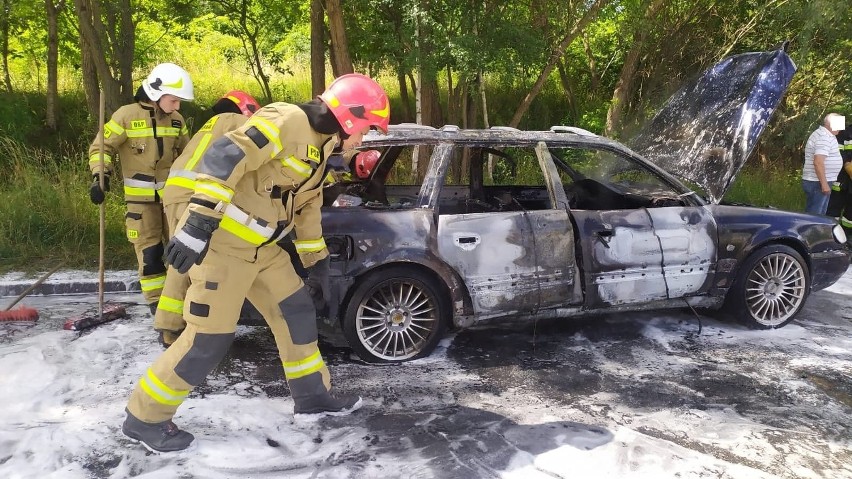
771	287
395	315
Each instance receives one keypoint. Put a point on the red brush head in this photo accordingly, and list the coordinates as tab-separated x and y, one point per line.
21	314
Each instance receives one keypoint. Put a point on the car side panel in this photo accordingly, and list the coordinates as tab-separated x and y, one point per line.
622	259
494	255
554	247
362	239
688	240
744	229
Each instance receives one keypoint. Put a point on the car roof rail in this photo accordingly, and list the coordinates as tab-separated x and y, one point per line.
410	126
504	128
571	129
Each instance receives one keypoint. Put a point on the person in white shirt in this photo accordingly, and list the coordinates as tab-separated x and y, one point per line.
822	163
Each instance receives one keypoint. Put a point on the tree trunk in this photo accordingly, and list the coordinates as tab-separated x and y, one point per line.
453	112
93	34
624	88
4	31
90	79
430	101
555	55
123	53
404	98
570	96
51	116
481	82
257	62
317	48
340	60
593	70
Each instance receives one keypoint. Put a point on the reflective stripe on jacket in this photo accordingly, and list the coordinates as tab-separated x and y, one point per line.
270	170
181	181
146	141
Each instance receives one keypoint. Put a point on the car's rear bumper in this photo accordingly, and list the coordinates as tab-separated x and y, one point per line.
828	267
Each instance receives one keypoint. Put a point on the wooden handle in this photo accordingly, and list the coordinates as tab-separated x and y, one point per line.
102	209
34	286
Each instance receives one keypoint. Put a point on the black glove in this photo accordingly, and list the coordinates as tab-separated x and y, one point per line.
190	244
318	284
96	194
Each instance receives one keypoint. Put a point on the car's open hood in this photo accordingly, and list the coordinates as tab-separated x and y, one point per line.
707	130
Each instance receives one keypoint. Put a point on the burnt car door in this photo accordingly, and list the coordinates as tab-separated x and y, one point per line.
504	233
641	238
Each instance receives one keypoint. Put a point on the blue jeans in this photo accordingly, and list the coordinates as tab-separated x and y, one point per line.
815	201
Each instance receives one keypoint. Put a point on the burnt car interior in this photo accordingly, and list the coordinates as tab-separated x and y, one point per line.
602	180
482	179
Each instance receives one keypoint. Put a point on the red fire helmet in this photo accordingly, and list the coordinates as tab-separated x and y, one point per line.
357	102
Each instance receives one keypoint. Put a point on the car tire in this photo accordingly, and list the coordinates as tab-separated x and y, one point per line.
395	315
770	289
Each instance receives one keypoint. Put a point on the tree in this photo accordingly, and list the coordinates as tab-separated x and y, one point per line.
341	62
107	42
317	48
624	88
556	53
5	28
53	10
260	25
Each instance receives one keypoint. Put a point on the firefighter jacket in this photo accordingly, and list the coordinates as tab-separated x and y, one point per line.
146	141
844	143
263	180
181	182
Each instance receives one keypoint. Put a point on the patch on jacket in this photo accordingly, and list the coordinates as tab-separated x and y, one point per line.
138	124
209	125
176	123
313	153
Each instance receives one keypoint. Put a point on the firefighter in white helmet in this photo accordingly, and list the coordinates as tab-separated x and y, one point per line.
146	137
254	186
232	111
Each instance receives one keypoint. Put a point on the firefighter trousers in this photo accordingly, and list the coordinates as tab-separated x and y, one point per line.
216	293
145	225
169	315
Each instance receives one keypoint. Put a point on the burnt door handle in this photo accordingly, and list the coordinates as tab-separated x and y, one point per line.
468	240
604	236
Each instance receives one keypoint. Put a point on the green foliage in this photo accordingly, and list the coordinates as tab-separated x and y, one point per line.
46	215
776	188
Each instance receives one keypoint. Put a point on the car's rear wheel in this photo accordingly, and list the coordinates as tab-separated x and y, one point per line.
771	288
395	315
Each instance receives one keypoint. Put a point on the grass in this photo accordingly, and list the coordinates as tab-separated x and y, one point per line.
46	216
774	188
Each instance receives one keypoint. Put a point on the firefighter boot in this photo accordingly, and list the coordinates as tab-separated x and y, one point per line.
326	405
163	436
166	337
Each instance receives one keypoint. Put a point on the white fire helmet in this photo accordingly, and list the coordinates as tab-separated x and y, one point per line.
168	79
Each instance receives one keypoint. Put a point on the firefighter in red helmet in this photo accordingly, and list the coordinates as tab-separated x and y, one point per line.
253	186
231	112
365	161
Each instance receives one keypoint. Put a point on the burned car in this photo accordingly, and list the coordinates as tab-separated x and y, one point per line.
559	223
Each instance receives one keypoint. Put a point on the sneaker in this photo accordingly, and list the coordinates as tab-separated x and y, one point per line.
159	437
327	405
